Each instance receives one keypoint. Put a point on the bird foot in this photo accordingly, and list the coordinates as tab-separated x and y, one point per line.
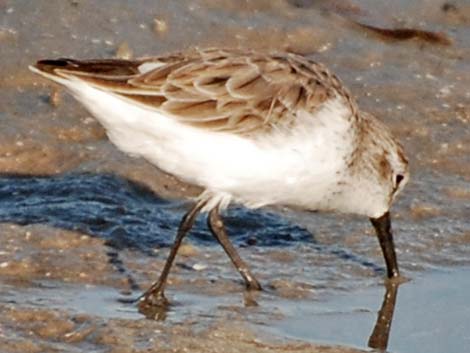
154	306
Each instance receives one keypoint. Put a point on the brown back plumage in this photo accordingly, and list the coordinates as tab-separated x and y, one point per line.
221	90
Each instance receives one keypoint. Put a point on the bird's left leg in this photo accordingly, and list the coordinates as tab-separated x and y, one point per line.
154	296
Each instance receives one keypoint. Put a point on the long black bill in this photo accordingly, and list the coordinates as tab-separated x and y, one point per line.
383	228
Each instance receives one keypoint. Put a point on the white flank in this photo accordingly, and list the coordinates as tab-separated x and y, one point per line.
275	169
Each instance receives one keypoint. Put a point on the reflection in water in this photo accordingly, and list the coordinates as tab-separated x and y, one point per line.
378	339
347	319
381	333
161	312
155	312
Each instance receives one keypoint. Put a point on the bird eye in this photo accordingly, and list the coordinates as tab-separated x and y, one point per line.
398	179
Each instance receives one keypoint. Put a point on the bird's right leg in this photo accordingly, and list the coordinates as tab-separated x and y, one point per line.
216	225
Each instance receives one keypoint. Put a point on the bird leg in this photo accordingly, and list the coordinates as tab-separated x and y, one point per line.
216	225
154	296
383	229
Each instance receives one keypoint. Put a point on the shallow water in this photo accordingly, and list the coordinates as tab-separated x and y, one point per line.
431	315
60	174
93	300
423	311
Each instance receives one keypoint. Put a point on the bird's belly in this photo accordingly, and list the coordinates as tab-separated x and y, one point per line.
297	169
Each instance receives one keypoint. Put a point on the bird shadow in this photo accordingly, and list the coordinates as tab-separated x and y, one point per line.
129	215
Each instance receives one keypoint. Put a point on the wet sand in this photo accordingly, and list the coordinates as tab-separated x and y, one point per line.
82	220
60	292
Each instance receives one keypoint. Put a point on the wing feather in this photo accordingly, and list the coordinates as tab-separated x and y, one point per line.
221	90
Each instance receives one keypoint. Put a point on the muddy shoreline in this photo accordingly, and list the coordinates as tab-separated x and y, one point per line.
45	272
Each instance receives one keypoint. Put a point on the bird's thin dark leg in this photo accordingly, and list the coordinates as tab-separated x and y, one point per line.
154	296
383	228
217	227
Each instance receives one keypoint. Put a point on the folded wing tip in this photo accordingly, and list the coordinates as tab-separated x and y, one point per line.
49	65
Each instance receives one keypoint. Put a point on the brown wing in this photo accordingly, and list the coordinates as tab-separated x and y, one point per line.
222	90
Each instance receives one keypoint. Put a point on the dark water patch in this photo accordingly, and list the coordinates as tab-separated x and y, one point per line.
127	214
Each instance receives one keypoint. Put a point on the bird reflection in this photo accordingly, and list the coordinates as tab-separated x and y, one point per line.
381	332
160	312
378	339
155	312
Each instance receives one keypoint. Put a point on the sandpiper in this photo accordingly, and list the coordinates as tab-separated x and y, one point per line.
251	128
